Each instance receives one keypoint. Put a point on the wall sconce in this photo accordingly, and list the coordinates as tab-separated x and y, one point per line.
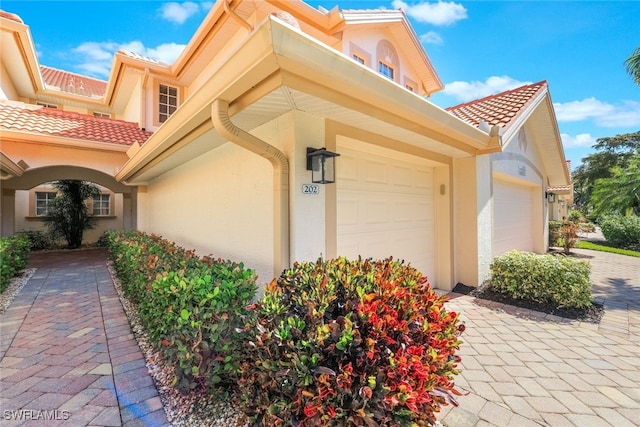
551	197
322	165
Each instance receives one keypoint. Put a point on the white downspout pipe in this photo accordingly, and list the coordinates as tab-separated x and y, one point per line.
224	126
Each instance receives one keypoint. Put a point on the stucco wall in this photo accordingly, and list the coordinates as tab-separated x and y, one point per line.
220	204
24	219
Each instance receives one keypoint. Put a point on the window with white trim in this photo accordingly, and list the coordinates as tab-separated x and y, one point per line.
101	204
44	201
359	59
168	102
386	70
101	115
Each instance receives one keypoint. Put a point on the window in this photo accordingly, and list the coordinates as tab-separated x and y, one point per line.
409	87
101	115
168	102
358	58
43	202
44	104
386	70
101	205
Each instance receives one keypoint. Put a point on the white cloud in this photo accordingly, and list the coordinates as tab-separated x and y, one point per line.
602	113
179	12
431	38
440	13
96	57
580	140
467	91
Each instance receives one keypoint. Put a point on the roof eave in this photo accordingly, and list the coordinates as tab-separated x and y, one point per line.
274	47
9	168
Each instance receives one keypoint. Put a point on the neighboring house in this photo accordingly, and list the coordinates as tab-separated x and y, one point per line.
222	161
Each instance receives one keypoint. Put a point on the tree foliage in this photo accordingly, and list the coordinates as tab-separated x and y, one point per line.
69	216
611	152
632	64
620	193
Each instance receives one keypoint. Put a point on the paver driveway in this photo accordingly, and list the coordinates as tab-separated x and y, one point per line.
524	368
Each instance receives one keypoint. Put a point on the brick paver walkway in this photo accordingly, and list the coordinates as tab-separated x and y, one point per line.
524	368
67	352
68	356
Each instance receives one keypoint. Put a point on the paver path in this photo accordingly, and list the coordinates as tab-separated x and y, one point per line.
68	356
524	368
67	352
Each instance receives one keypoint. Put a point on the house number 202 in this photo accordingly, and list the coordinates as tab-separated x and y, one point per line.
310	189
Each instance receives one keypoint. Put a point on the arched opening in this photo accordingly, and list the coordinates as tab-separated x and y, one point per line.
25	198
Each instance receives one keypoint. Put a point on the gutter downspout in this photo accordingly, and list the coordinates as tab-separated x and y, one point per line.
234	15
224	126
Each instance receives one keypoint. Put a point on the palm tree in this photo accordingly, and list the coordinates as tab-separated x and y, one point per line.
69	216
633	65
619	193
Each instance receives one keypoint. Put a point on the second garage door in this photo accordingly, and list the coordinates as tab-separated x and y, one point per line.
385	205
513	226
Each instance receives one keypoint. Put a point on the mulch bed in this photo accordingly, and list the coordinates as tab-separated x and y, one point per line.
591	314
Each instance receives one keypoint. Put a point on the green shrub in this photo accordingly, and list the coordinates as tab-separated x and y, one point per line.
621	231
546	279
14	254
193	308
344	342
554	233
38	239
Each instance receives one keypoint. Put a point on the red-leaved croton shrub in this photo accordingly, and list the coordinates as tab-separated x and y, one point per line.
350	343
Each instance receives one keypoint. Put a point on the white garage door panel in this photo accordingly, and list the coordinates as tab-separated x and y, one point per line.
385	207
513	217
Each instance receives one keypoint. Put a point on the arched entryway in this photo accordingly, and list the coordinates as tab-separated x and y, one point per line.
20	194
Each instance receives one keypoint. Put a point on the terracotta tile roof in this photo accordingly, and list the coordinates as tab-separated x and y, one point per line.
499	109
73	83
563	188
11	16
140	57
49	121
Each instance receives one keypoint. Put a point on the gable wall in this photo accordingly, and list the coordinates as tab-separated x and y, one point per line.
367	42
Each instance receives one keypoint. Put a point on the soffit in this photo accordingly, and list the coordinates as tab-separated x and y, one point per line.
285	99
542	124
277	103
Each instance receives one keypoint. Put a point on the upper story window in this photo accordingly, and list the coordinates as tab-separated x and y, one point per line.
359	58
168	102
44	201
44	104
101	115
386	70
101	204
410	85
388	61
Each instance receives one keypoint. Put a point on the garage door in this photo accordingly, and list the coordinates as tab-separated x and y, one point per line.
385	205
513	217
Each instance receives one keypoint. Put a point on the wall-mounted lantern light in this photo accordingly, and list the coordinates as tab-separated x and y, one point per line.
551	197
322	164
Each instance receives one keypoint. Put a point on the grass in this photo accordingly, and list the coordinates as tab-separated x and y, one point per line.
604	248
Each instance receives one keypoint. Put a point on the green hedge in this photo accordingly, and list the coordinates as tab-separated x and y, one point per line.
14	254
621	231
555	227
193	308
547	279
350	343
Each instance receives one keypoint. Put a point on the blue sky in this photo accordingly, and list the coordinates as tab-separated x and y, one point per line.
477	47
